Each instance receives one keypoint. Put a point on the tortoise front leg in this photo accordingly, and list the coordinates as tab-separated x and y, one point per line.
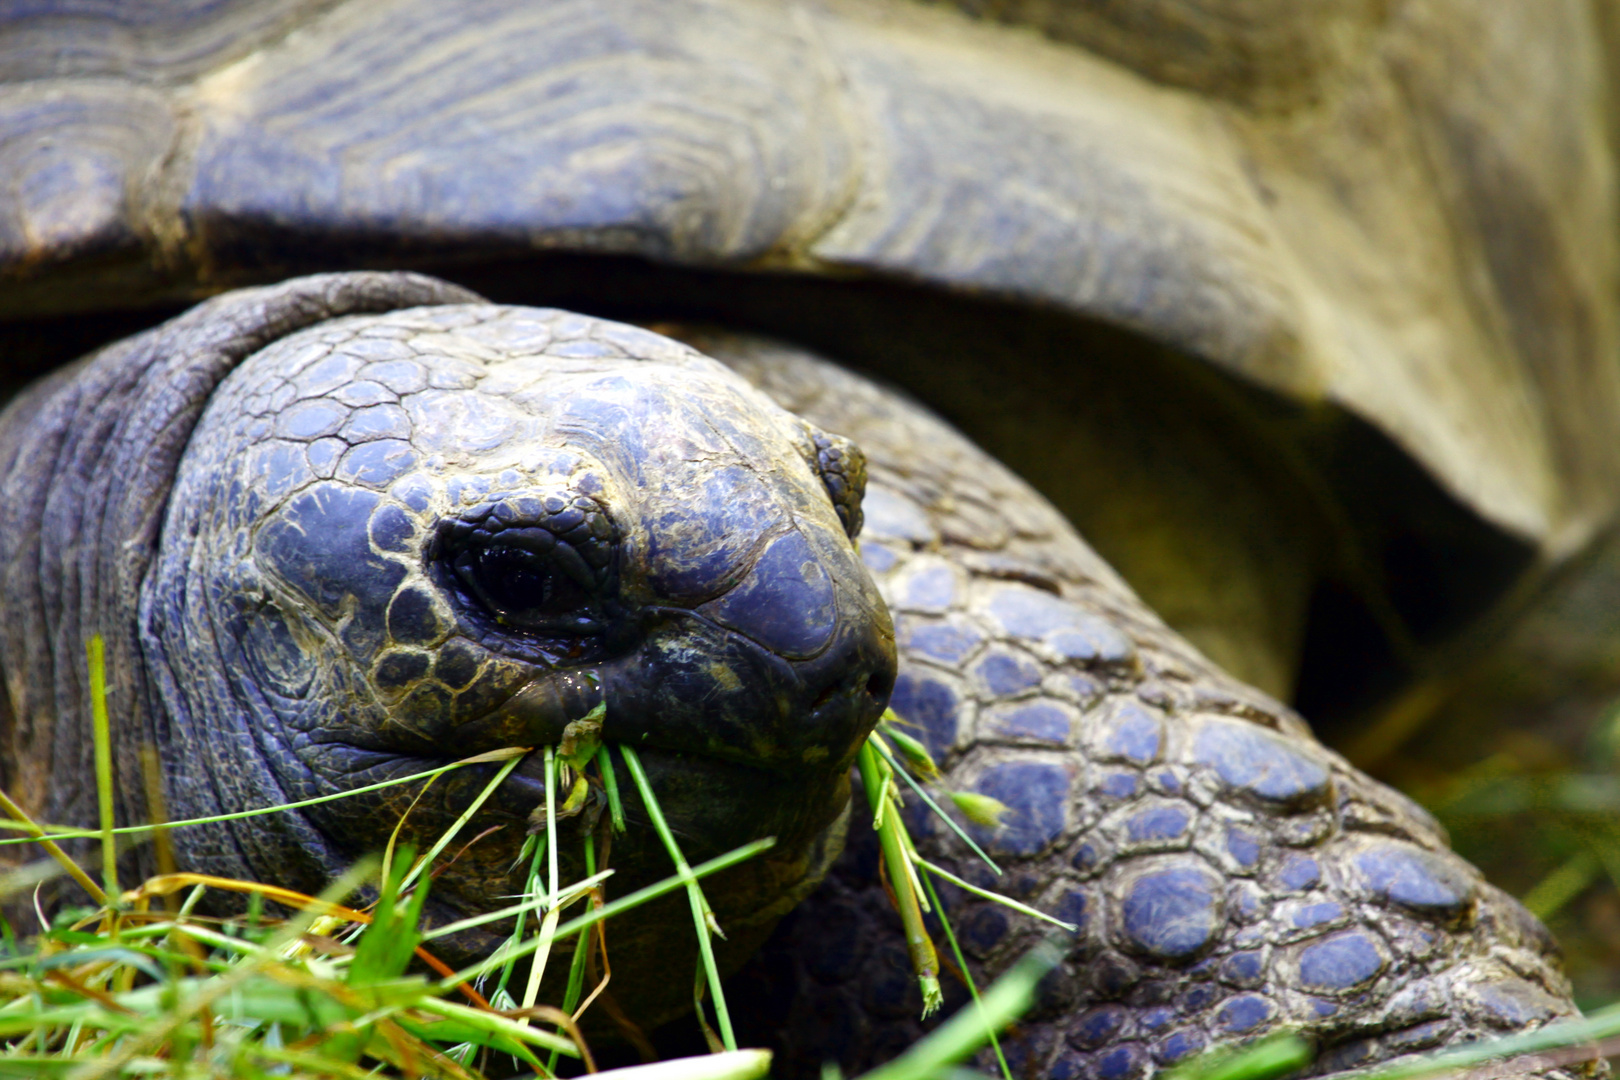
1229	875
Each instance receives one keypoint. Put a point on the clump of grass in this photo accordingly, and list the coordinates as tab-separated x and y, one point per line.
330	990
338	991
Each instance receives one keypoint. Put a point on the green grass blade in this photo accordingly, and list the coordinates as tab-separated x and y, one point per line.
58	832
569	895
582	948
702	915
1006	999
548	922
1561	886
934	806
1274	1056
893	841
488	1023
102	733
988	894
967	974
532	898
610	783
1599	1026
386	946
38	835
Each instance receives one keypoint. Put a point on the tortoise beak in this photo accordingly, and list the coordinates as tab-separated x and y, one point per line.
702	688
699	688
789	671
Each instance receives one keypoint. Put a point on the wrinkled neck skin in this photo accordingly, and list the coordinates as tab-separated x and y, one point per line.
396	541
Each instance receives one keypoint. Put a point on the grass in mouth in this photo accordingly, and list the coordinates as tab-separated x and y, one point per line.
142	985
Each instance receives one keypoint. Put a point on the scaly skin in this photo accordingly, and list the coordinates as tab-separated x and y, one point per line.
302	621
1230	876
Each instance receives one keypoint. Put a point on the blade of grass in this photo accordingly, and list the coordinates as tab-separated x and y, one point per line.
702	917
548	922
532	898
37	836
1595	1028
1562	885
494	1023
924	960
615	907
157	809
582	947
610	783
169	883
934	806
549	1014
102	733
909	745
967	975
1276	1055
569	895
988	894
21	821
399	826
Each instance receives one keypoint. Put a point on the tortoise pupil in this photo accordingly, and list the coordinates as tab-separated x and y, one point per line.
521	587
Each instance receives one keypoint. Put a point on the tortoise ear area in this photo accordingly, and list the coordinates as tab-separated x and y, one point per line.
842	468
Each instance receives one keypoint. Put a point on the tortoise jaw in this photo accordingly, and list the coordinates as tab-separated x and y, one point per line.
692	687
699	688
712	806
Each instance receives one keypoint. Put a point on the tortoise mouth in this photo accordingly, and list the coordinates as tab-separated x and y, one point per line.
693	687
712	807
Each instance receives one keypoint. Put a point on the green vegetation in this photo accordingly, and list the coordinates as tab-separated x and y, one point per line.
143	985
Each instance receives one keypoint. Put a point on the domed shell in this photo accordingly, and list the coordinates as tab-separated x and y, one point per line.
1408	217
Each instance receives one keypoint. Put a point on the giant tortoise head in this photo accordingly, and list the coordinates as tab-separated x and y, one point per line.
399	539
1303	316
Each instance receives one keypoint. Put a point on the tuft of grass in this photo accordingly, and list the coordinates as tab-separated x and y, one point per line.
329	990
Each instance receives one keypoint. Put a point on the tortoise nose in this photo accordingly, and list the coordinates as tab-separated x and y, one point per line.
847	687
871	685
788	668
695	686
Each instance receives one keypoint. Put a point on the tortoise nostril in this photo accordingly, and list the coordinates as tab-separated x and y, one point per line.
880	684
877	685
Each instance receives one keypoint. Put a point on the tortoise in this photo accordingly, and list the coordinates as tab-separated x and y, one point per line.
1302	318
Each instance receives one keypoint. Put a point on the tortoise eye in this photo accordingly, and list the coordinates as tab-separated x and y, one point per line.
539	564
522	588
